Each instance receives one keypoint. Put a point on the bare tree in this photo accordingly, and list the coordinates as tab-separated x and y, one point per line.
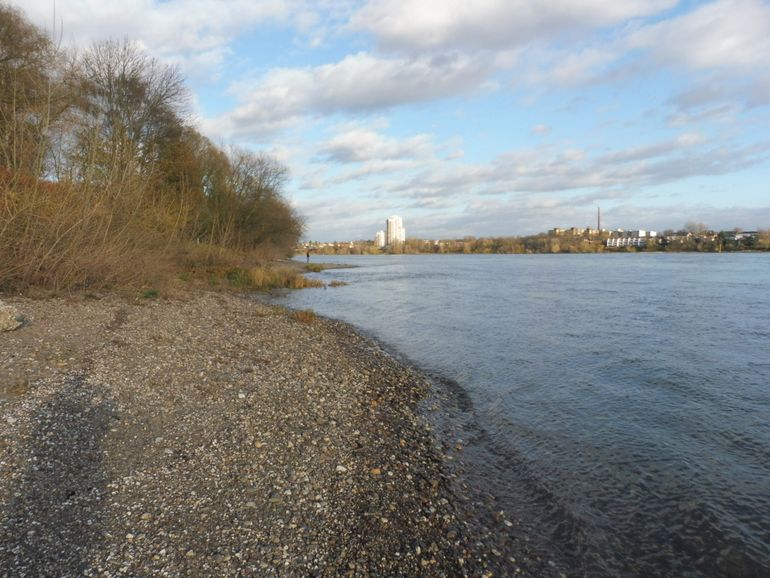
256	175
99	172
131	107
695	227
264	216
27	87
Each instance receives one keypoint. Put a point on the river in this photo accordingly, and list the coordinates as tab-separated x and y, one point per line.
617	404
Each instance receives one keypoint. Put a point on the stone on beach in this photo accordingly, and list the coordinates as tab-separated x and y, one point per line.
10	318
142	447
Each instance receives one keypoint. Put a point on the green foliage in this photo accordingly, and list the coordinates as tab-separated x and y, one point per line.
238	277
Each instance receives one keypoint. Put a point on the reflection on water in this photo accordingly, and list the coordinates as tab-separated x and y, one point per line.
619	404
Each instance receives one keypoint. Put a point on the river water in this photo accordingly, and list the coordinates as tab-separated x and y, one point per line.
617	404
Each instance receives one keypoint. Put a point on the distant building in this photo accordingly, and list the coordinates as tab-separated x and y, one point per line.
626	242
394	230
740	235
637	238
379	239
574	232
641	233
677	237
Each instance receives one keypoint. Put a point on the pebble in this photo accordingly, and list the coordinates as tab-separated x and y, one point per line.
146	426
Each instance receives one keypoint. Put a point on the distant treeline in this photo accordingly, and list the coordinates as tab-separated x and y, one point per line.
103	181
703	241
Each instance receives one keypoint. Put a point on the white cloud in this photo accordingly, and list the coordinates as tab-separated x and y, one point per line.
562	44
362	144
724	113
196	34
404	52
490	24
525	216
539	178
730	35
358	83
529	190
342	218
168	27
549	170
573	67
652	151
724	44
359	153
374	168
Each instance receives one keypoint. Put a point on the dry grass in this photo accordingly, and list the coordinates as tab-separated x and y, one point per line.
105	185
61	236
304	316
265	277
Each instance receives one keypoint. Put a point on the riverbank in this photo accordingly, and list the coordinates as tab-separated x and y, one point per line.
216	435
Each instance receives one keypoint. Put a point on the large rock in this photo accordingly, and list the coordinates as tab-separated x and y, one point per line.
9	318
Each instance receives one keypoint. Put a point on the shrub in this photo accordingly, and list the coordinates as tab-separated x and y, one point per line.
304	316
266	278
104	184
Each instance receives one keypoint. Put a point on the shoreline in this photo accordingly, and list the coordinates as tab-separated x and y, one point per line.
217	434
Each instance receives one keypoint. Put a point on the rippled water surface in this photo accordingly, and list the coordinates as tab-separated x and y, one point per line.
620	403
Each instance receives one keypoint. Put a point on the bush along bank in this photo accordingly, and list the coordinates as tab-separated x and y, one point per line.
103	183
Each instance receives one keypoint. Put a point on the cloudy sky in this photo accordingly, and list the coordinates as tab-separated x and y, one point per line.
475	117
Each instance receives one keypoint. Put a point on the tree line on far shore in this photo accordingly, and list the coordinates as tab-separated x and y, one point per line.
701	240
105	182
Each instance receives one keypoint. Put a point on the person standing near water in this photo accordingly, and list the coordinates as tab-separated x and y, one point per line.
307	254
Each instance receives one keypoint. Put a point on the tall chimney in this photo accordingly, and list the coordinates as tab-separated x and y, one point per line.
598	218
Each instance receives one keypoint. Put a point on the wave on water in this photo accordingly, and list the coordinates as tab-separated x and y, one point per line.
617	407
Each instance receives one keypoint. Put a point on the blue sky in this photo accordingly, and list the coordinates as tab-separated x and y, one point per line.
483	117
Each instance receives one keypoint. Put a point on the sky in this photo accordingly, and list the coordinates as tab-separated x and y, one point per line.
477	117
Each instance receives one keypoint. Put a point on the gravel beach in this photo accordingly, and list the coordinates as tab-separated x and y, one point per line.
219	436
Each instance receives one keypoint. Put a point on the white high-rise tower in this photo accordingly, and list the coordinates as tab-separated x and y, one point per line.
394	230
